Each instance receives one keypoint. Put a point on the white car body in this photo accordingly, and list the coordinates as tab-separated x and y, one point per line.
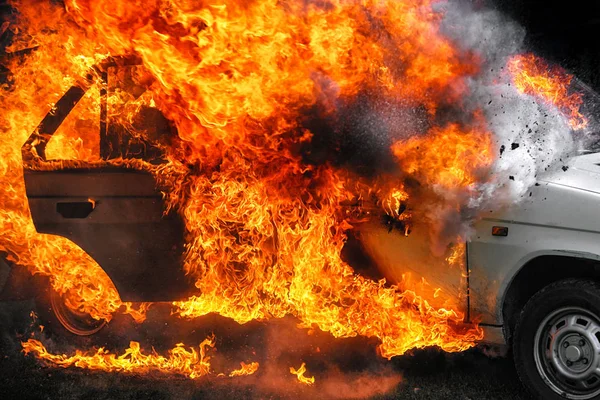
560	221
553	234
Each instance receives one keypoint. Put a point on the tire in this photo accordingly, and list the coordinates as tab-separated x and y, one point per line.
556	345
58	320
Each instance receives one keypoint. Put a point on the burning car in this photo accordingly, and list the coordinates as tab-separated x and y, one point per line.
115	213
213	189
530	270
532	273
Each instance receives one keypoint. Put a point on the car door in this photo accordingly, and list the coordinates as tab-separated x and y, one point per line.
116	214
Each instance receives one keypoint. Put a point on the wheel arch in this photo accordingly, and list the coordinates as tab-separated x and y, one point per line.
538	271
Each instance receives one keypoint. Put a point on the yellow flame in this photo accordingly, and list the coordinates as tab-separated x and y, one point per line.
300	375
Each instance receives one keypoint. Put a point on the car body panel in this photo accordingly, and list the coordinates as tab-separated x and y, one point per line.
125	230
396	255
114	213
559	217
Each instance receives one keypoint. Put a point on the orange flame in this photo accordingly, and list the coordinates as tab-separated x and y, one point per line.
191	362
457	256
264	227
245	369
300	375
452	157
532	75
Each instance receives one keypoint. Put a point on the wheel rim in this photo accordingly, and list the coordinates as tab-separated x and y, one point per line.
567	352
76	322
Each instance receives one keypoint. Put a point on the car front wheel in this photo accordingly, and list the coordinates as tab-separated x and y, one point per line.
557	341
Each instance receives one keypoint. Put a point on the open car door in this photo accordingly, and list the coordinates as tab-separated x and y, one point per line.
116	214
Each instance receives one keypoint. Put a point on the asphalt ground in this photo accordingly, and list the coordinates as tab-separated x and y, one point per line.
343	368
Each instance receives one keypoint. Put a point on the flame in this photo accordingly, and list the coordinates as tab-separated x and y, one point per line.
393	202
300	375
457	256
533	76
245	369
448	158
193	363
264	226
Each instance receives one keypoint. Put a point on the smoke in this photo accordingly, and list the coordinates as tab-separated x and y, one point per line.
531	138
18	323
343	369
534	136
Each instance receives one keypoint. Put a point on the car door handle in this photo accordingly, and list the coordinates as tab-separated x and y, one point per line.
76	209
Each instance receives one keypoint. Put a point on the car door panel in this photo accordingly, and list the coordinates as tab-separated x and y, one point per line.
125	232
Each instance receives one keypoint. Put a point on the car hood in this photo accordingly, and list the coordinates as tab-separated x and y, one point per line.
567	198
581	172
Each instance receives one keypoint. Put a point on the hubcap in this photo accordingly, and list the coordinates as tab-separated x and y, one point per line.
567	353
573	353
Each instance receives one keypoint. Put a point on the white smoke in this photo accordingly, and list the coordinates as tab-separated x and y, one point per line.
533	138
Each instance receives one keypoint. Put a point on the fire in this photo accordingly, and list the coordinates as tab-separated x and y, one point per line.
450	157
457	256
264	220
300	375
193	363
245	369
533	76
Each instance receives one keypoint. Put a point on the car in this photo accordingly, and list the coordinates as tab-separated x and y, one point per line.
533	278
529	276
114	213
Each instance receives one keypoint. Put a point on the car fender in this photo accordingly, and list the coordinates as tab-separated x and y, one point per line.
494	262
513	272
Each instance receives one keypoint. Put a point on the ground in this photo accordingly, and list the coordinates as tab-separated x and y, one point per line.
348	369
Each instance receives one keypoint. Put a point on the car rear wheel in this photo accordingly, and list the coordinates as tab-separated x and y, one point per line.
58	318
557	341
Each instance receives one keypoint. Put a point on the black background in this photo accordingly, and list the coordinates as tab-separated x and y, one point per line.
565	32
